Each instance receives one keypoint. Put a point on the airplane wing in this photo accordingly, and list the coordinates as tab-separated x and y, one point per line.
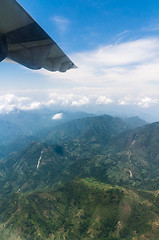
24	41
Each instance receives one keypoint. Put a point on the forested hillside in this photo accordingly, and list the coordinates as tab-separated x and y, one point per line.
92	178
83	209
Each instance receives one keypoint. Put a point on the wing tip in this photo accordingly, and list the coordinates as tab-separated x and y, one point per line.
72	66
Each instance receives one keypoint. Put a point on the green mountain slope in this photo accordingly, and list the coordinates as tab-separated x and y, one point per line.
101	128
59	162
96	150
18	129
134	122
84	209
136	156
34	167
48	189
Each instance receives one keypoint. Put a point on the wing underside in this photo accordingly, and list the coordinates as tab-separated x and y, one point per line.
27	43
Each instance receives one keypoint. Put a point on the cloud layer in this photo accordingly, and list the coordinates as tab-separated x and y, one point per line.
10	102
126	69
125	74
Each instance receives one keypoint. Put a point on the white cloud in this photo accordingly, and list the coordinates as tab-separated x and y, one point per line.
103	100
123	67
81	101
10	102
92	100
122	102
147	102
122	33
57	116
61	23
143	102
127	100
11	98
31	106
68	99
121	72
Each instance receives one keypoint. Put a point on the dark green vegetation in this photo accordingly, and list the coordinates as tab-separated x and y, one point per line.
99	147
84	209
81	180
61	160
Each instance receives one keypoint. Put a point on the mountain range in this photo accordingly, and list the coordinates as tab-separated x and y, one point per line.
19	128
89	178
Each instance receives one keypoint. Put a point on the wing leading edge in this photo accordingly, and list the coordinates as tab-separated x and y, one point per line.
24	41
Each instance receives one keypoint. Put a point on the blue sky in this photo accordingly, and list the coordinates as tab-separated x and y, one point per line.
114	43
